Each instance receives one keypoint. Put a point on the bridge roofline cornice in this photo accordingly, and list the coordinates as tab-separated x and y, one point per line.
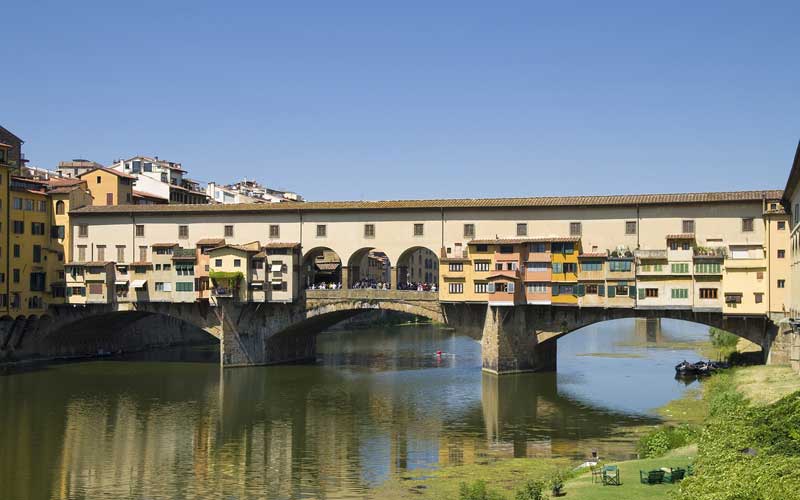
442	204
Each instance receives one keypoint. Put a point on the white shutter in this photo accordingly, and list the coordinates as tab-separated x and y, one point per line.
490	287
511	287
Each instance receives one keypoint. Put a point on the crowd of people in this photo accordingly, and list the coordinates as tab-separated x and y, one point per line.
371	283
375	285
325	286
418	286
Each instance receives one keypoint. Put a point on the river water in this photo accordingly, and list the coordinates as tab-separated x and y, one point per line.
378	403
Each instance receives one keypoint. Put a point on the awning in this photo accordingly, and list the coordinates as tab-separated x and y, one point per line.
139	283
277	281
276	268
121	282
327	266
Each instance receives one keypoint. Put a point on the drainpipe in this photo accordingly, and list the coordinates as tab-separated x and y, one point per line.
442	242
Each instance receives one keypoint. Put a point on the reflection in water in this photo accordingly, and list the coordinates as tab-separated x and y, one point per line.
379	403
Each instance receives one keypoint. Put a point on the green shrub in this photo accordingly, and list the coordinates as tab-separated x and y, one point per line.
662	439
745	451
533	490
477	491
722	339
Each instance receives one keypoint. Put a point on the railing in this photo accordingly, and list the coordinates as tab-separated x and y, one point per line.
223	292
371	294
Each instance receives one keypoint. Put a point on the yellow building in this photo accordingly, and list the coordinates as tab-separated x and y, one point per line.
5	169
63	197
564	260
778	242
109	187
28	239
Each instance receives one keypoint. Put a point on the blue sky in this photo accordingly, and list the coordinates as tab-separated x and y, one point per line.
356	100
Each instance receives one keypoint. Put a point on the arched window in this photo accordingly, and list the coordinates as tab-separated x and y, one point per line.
60	207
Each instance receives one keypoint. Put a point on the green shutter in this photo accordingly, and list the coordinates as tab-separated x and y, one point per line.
612	291
69	291
555	289
581	289
601	290
641	293
83	291
558	268
632	292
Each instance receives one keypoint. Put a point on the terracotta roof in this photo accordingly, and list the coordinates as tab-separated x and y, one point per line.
512	241
211	241
142	194
64	181
540	202
253	246
63	189
5	146
164	245
91	263
260	255
681	236
282	245
110	171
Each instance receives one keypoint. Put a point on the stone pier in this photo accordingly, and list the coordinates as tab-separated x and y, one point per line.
510	343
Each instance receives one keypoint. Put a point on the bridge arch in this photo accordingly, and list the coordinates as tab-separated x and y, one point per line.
321	265
561	323
86	333
369	265
417	264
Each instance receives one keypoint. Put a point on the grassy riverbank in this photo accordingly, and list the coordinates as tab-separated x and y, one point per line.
733	409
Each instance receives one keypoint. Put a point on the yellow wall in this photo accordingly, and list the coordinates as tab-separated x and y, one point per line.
60	249
747	278
4	251
779	267
561	258
26	241
101	183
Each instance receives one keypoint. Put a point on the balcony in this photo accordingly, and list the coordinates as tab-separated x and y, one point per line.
224	292
539	257
651	254
591	275
454	253
710	253
745	263
506	257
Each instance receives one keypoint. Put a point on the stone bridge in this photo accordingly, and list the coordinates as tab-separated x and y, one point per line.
513	339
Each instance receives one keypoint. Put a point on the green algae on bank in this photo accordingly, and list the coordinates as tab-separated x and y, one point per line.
503	476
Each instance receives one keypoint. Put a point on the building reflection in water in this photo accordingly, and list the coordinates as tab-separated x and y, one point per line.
191	430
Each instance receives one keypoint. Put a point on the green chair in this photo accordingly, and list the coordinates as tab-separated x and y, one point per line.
597	472
611	475
674	475
651	477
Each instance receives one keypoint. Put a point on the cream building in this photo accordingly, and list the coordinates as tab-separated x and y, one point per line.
693	251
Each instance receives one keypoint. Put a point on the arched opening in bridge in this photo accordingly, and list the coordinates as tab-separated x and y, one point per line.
322	267
123	332
418	267
369	268
629	364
